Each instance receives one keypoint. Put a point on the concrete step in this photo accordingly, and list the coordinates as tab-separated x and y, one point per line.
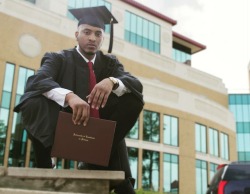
29	180
25	191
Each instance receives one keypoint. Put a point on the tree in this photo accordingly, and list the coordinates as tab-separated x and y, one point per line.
151	129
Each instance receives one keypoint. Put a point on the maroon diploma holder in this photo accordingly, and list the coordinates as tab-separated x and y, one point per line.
91	144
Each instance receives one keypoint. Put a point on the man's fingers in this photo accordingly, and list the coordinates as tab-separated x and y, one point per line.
85	121
100	100
97	104
91	96
78	120
85	116
80	110
74	115
95	99
105	99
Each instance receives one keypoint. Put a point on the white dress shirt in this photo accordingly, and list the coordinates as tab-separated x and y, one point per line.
58	94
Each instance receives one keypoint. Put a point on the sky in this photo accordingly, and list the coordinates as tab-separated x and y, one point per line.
223	26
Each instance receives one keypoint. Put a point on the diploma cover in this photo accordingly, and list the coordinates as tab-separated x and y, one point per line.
91	144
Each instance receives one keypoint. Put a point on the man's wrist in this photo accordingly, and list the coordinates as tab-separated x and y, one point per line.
115	83
67	97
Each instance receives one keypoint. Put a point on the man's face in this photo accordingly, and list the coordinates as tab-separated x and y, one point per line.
89	38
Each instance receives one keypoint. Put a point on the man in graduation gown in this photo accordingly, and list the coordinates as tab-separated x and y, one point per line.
63	83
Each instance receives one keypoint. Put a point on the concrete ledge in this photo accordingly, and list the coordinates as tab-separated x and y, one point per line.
62	173
24	191
34	180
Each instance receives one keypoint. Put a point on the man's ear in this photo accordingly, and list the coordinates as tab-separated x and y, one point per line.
76	35
101	42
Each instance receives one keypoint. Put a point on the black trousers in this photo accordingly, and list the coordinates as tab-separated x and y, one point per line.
42	154
124	110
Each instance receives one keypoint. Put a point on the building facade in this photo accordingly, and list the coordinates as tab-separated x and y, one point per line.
185	129
239	104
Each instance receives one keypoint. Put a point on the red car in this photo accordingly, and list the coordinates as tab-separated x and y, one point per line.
231	178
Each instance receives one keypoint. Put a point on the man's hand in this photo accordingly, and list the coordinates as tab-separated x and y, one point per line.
100	93
81	109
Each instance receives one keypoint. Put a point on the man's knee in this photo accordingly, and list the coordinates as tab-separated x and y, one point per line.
39	117
131	103
31	108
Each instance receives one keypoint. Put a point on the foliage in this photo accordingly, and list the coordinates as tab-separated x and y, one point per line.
140	191
2	128
2	136
151	128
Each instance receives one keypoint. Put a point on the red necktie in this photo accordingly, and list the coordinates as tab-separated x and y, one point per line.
92	83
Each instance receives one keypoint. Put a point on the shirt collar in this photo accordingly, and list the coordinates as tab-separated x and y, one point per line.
93	60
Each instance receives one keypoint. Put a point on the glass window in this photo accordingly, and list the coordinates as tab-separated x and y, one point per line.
170	173
31	1
213	142
32	162
213	170
21	80
8	77
241	112
224	146
181	53
86	3
201	177
150	170
134	132
157	39
139	31
145	34
19	135
243	144
2	141
200	138
59	163
239	104
244	156
217	177
142	32
151	36
69	164
151	126
231	99
4	114
133	162
5	106
133	29
170	130
6	98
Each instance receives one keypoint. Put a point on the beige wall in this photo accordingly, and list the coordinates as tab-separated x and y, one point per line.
11	32
144	71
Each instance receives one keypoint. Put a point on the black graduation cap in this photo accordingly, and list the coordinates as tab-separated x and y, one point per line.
97	17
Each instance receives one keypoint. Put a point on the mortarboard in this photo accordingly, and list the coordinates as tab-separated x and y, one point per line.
97	17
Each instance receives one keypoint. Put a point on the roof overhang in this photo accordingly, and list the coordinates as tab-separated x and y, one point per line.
189	43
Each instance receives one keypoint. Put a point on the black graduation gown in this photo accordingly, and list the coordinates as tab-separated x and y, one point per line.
67	69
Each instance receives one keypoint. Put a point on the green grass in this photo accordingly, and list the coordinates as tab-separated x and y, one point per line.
140	191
